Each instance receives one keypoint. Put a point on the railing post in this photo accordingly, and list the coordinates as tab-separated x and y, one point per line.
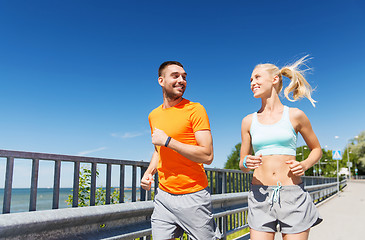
121	183
247	182
34	185
93	183
225	226
8	184
134	179
218	182
224	182
75	196
56	184
142	192
108	183
229	182
211	182
237	182
241	182
156	182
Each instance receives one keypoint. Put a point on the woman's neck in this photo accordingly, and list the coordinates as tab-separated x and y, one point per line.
271	104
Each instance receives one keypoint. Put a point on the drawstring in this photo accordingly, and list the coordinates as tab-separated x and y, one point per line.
276	193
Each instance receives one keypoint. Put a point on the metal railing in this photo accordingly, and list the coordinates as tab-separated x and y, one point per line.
127	220
220	180
76	160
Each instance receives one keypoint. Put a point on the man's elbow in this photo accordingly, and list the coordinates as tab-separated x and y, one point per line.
209	159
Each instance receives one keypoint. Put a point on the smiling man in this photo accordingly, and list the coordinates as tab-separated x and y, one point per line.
183	143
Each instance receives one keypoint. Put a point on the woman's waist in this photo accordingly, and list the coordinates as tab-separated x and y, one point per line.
274	181
274	168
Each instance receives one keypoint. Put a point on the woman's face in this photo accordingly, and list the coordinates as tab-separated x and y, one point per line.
262	82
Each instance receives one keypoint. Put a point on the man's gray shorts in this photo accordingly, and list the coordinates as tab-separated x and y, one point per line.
192	213
293	210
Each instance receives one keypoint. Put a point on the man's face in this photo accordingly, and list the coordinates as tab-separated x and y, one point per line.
173	81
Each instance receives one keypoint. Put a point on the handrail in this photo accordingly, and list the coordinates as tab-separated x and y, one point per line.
220	180
124	221
68	158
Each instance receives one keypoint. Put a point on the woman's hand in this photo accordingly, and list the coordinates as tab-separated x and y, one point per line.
296	167
253	162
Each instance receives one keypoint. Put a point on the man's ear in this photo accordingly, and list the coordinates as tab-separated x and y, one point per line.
160	81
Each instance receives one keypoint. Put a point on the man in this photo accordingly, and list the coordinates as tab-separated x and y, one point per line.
183	143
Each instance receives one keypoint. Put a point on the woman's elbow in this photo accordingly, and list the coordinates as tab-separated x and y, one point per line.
320	153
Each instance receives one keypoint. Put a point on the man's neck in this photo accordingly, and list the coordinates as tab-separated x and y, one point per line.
167	103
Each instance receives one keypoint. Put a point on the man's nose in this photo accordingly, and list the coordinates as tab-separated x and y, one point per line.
180	79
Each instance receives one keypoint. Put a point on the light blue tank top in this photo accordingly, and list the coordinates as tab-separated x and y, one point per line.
274	139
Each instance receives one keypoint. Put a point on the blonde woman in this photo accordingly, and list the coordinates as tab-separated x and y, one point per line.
277	200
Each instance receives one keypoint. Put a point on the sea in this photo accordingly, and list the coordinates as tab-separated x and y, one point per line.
20	198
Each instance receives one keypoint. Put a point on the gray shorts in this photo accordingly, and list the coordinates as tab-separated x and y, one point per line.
290	208
192	213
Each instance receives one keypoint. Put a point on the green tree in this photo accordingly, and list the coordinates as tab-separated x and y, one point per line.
233	159
85	189
326	164
357	153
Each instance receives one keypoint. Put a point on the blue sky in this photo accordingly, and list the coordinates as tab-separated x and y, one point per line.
80	77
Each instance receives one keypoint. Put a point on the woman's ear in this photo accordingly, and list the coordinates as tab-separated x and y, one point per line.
275	79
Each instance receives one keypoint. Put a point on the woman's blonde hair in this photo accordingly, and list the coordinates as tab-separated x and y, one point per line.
298	85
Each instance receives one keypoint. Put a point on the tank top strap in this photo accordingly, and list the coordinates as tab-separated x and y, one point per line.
286	112
253	122
254	118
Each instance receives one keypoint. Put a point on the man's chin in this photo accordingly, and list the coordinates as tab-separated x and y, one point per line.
175	96
179	94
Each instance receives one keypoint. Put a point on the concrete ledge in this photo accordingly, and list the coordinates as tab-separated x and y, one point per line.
73	221
121	221
118	221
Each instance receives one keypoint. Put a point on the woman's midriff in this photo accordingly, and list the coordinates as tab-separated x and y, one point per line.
274	169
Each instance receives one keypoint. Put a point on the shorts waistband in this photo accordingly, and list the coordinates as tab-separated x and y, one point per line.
183	194
283	187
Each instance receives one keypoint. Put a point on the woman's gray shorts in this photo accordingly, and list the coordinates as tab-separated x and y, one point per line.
290	208
192	213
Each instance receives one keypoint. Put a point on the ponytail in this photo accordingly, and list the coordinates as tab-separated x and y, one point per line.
298	85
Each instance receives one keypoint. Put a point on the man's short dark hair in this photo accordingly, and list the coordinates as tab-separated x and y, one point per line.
168	63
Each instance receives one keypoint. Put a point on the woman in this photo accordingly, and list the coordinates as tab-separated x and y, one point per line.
277	198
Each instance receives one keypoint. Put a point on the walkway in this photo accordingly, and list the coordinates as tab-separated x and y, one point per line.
343	215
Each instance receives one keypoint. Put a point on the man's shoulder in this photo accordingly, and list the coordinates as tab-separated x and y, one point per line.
155	111
193	105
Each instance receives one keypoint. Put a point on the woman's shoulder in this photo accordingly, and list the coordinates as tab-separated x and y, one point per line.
246	121
297	114
248	117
